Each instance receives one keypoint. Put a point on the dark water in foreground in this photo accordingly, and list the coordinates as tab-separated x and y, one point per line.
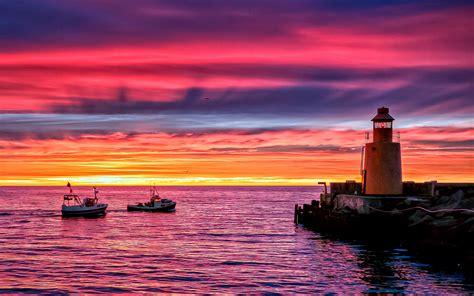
232	240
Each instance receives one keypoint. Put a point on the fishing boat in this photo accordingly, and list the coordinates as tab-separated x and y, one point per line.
73	206
156	204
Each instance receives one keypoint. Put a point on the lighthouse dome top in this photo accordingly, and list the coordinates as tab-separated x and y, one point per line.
382	115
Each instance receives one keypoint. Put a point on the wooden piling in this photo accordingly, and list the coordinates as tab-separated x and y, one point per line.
296	214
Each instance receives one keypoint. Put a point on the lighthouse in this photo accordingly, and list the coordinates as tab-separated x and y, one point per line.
382	172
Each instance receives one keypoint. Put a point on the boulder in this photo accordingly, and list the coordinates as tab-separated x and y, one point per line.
447	221
466	214
441	214
420	220
470	193
396	212
469	221
442	200
467	203
450	202
418	215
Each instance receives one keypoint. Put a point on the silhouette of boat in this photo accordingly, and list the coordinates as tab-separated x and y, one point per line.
73	206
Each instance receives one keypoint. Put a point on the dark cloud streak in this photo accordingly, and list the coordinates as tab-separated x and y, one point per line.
49	23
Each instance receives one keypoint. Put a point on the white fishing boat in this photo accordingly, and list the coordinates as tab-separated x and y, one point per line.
156	204
73	206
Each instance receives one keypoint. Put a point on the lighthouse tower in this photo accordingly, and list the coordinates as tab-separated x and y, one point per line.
382	174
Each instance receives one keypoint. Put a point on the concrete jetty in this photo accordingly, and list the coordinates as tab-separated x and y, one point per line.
441	224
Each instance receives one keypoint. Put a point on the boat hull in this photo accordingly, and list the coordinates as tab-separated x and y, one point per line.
76	211
167	208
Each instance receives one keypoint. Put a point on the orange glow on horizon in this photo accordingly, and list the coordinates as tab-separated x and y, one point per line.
269	158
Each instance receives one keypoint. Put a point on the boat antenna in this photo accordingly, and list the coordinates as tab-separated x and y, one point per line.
70	188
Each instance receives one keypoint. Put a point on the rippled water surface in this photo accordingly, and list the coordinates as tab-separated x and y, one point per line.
220	239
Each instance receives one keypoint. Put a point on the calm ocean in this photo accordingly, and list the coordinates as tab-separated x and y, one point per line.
220	239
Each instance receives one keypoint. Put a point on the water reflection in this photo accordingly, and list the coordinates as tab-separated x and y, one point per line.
380	271
387	267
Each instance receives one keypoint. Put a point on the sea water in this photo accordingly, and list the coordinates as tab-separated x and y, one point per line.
219	239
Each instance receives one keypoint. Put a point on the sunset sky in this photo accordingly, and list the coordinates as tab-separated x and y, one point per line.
231	92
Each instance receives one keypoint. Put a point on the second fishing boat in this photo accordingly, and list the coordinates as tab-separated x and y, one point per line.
156	204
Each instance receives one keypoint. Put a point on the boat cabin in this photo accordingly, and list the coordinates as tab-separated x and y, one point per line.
71	197
76	200
89	202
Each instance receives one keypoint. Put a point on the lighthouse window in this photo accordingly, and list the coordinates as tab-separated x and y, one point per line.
383	124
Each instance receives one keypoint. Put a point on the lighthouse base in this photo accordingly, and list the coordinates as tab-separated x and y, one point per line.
383	169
